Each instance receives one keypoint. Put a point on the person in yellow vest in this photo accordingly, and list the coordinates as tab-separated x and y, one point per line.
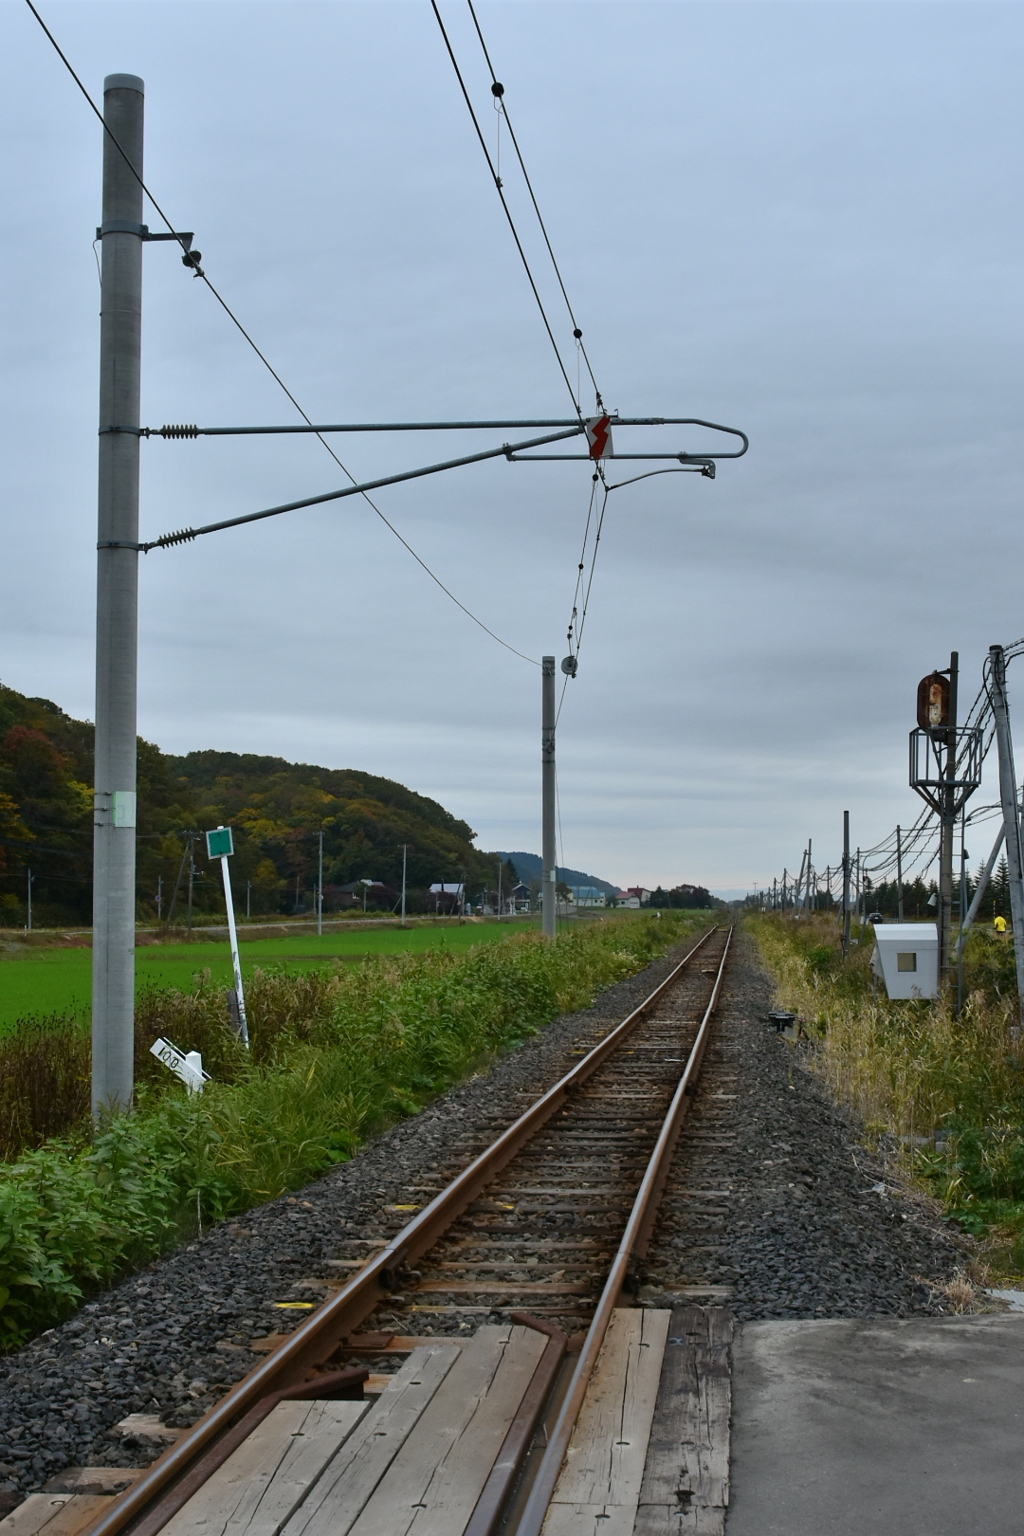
999	924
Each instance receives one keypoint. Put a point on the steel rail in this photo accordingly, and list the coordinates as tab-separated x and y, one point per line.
634	1244
315	1340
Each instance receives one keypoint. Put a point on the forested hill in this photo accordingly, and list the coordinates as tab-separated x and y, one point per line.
276	808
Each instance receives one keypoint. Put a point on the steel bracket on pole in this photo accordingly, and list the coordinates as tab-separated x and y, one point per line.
929	762
126	227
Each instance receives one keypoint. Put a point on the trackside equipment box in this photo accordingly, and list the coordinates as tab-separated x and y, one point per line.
906	958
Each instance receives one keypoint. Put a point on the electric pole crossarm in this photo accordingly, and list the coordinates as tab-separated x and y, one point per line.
187	431
185	535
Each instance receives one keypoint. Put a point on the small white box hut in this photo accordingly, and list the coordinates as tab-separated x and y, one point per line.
906	957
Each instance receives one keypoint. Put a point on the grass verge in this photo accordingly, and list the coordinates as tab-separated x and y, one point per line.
947	1087
336	1056
57	979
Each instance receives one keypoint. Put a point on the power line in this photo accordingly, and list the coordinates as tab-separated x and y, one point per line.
191	259
508	212
498	92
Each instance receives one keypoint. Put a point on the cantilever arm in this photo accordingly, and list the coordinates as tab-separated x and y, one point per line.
185	535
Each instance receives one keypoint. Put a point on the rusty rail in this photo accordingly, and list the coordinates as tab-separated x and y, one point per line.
315	1340
634	1244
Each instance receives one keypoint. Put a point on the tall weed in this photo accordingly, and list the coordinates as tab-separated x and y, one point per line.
948	1085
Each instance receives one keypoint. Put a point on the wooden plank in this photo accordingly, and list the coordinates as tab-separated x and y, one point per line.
435	1481
266	1478
589	1520
342	1492
54	1514
604	1465
686	1479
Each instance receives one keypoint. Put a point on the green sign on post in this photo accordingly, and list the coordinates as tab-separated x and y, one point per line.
219	844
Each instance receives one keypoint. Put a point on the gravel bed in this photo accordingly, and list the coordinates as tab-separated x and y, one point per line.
803	1235
802	1221
169	1341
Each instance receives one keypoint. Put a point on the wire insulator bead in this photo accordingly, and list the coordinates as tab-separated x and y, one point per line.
179	431
497	90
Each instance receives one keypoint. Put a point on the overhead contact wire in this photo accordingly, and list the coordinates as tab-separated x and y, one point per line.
503	109
198	272
507	210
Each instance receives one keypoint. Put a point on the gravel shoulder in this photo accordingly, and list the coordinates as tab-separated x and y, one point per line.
804	1234
802	1220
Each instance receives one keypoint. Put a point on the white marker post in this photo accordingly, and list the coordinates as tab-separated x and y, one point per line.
188	1065
219	844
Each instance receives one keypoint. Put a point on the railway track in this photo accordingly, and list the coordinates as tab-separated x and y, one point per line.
535	1244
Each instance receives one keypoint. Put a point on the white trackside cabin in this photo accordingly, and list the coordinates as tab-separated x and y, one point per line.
906	959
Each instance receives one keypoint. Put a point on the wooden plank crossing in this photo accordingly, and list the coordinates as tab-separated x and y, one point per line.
598	1491
267	1477
54	1514
686	1479
341	1494
435	1480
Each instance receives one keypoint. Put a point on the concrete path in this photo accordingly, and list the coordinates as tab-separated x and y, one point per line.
879	1428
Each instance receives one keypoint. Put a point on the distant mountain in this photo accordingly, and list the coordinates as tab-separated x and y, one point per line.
529	866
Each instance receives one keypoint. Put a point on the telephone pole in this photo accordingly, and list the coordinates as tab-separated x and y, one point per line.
947	824
113	945
899	875
549	889
1011	819
846	884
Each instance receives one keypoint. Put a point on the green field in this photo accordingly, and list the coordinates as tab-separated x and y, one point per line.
48	981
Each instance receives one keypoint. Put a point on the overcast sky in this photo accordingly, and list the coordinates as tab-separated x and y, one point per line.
801	219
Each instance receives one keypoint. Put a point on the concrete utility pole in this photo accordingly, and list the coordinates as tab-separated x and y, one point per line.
320	885
405	853
846	883
113	944
899	875
1011	819
799	886
947	825
549	889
